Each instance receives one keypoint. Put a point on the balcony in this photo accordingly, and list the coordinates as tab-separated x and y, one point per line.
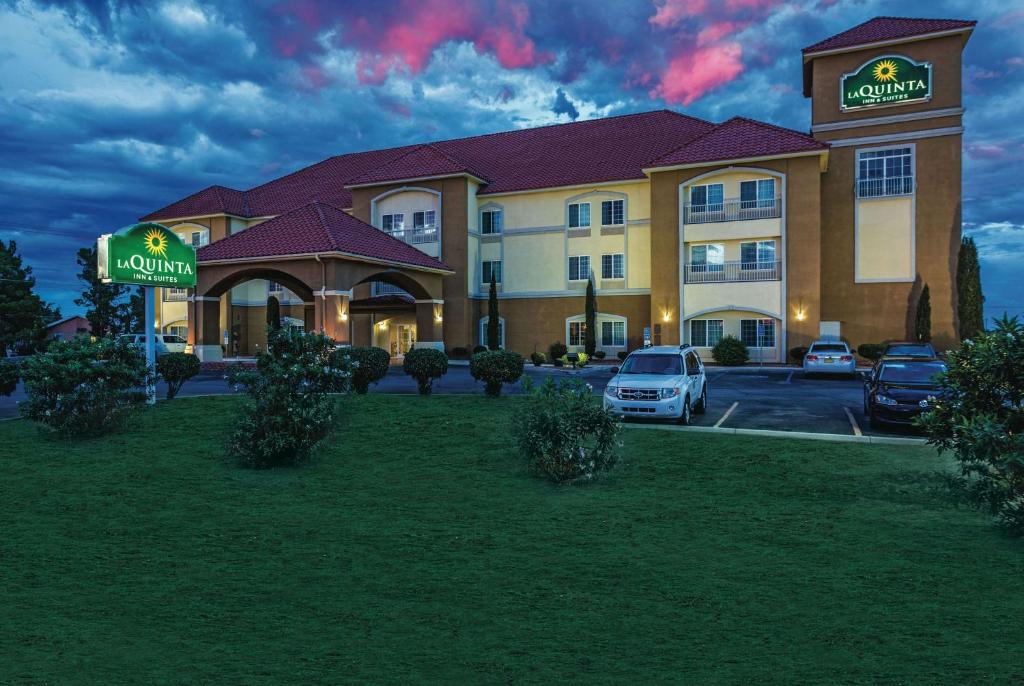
884	187
732	209
731	272
415	236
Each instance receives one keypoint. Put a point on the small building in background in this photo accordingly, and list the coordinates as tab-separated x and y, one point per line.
68	328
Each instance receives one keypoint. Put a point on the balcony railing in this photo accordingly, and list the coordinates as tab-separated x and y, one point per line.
732	209
425	234
880	188
175	295
760	270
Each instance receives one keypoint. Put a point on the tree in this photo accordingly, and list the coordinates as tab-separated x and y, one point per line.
135	311
23	314
493	319
590	330
923	320
104	302
273	313
970	300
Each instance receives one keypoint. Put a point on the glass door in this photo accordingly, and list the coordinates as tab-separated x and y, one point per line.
406	338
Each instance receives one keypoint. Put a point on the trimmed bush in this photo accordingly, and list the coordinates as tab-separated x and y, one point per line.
176	369
798	353
538	359
8	377
600	354
368	365
84	387
496	367
479	349
730	352
425	365
288	410
557	350
579	361
622	355
564	434
871	351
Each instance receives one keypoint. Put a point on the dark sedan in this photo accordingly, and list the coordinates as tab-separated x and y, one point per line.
897	390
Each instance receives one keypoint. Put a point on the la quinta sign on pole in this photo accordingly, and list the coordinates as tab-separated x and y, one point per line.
886	80
146	254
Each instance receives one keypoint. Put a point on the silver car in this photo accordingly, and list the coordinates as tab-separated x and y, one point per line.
829	357
662	382
165	342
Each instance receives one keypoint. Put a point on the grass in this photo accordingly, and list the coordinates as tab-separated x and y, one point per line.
415	549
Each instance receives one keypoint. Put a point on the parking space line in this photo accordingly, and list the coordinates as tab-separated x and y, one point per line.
853	422
789	378
726	415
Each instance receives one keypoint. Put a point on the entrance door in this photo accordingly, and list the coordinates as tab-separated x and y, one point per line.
406	338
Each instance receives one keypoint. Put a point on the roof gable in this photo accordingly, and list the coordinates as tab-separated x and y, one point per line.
887	28
421	162
740	138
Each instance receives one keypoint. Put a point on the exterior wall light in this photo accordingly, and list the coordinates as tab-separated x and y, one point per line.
666	316
800	312
343	316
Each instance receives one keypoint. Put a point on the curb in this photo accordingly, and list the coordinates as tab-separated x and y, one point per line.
835	438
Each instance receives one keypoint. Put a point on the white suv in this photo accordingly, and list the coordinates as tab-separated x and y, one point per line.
664	381
165	342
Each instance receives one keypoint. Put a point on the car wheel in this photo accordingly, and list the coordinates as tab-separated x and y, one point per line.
684	416
702	404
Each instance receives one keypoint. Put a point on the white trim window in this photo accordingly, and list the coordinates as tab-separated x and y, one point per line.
577	333
885	171
757	194
579	215
484	320
393	222
707	197
707	257
757	255
758	333
424	220
613	212
274	287
489	267
179	328
613	266
491	222
613	334
705	333
579	267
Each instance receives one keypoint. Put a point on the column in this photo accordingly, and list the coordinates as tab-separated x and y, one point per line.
429	324
332	315
204	328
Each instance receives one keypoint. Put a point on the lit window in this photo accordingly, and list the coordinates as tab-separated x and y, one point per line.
577	332
613	334
491	267
612	212
579	215
613	266
490	221
579	267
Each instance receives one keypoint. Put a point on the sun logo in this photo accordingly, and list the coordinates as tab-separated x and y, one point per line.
156	243
885	71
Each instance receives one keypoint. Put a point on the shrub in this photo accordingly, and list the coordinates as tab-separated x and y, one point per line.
579	360
425	365
600	354
288	410
870	351
622	355
479	349
496	367
557	350
460	352
368	365
730	351
8	377
538	359
979	417
564	434
84	387
176	369
798	353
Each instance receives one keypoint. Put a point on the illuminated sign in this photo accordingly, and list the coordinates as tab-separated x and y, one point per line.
146	254
886	80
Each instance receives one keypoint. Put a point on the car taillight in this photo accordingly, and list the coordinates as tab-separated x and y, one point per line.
812	358
846	358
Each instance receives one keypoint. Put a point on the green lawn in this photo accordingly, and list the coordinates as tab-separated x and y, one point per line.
416	549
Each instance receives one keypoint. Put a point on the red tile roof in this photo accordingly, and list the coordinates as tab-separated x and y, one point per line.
887	28
422	161
740	138
316	228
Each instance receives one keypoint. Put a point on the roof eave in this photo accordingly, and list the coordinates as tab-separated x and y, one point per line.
547	189
891	41
329	253
199	216
736	160
389	182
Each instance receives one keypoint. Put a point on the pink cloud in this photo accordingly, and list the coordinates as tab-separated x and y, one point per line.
716	31
671	12
691	74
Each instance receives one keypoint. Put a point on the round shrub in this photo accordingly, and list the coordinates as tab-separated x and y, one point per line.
479	349
8	377
798	353
730	351
870	351
557	350
494	368
176	369
538	359
370	365
425	365
622	355
599	354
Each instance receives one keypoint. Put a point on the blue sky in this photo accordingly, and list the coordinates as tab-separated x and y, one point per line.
113	109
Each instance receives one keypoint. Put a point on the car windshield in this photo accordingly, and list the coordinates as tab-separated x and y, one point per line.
173	339
671	365
828	348
911	372
909	349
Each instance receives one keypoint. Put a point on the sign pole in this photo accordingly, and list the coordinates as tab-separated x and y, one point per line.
150	324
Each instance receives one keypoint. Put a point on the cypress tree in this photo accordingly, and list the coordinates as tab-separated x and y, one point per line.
923	320
273	313
493	321
590	334
970	300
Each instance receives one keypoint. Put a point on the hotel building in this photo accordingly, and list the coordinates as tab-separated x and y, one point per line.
689	229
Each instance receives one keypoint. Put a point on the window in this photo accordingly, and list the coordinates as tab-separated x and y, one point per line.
758	333
705	333
613	266
385	288
579	267
706	198
180	330
885	172
757	194
501	330
393	222
612	212
757	255
491	267
175	294
613	334
579	215
274	287
490	221
707	258
577	330
423	220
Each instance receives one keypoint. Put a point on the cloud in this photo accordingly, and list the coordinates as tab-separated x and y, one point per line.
563	105
692	73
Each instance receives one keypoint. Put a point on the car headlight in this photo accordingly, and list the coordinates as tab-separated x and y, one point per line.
884	399
611	391
668	393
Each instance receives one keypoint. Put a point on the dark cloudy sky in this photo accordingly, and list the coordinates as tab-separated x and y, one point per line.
112	109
